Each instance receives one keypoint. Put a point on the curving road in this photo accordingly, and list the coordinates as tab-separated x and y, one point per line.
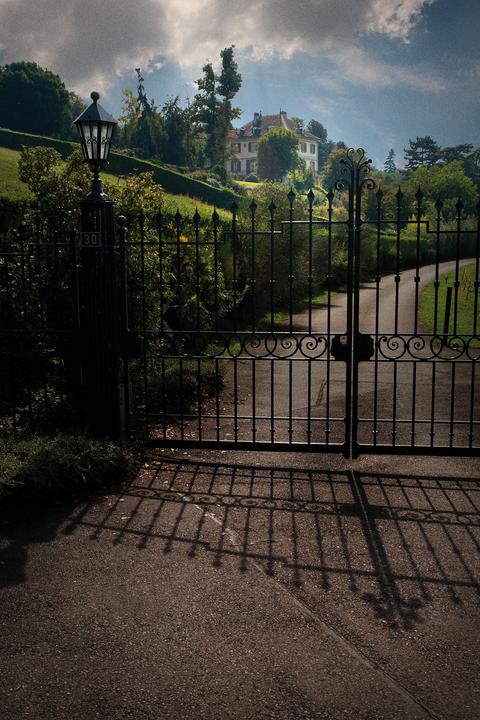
410	400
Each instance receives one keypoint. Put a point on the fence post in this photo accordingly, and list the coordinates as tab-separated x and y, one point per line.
99	315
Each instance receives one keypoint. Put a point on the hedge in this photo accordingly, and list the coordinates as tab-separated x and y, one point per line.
119	164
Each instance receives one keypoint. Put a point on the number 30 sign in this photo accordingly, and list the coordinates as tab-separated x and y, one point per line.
90	239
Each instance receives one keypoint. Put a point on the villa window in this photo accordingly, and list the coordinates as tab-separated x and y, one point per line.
303	147
312	149
236	166
252	147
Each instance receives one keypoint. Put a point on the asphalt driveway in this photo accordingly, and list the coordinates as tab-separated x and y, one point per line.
228	585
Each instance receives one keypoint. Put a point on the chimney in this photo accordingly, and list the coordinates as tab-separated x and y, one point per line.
257	119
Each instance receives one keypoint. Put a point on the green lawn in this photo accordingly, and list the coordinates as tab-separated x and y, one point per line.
10	184
465	305
246	184
14	189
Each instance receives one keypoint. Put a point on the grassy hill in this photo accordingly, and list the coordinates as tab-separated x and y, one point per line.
13	188
173	182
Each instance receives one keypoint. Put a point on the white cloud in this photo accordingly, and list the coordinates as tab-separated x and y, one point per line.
92	42
395	18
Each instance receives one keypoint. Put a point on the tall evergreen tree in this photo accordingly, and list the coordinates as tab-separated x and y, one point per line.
228	84
212	105
423	152
458	152
206	107
147	134
142	99
389	164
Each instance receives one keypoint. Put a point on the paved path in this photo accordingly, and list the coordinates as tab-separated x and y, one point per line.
292	387
227	585
247	586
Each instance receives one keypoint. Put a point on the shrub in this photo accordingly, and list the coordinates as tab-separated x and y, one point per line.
41	470
220	172
171	390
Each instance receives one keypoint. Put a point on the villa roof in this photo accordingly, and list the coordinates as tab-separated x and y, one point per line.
263	123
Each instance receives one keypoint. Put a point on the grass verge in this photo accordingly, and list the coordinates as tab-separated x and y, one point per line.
465	306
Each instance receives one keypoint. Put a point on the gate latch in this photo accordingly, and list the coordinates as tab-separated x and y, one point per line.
340	347
364	347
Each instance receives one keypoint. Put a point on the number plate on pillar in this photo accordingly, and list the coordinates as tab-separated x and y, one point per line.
90	239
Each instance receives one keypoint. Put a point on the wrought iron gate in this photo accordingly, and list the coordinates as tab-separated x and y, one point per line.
297	327
304	333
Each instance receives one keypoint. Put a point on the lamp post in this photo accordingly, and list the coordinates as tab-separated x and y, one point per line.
100	347
96	128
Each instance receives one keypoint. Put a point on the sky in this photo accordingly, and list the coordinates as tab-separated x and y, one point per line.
374	72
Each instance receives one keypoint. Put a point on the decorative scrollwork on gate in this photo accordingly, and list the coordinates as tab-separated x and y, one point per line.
229	345
428	347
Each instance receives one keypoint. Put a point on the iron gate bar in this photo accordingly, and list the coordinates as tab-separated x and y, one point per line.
184	416
467	354
189	343
190	306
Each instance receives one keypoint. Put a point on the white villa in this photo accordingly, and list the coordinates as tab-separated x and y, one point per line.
241	162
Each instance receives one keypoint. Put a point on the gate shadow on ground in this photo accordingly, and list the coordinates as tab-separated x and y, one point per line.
394	543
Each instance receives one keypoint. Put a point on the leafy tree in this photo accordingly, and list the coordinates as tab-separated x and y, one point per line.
141	125
149	137
325	146
299	122
317	129
277	153
302	179
57	187
128	119
212	105
76	107
130	107
334	169
137	194
389	164
472	166
458	152
35	100
179	149
448	183
423	152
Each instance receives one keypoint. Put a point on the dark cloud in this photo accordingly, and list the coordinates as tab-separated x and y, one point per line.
92	42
